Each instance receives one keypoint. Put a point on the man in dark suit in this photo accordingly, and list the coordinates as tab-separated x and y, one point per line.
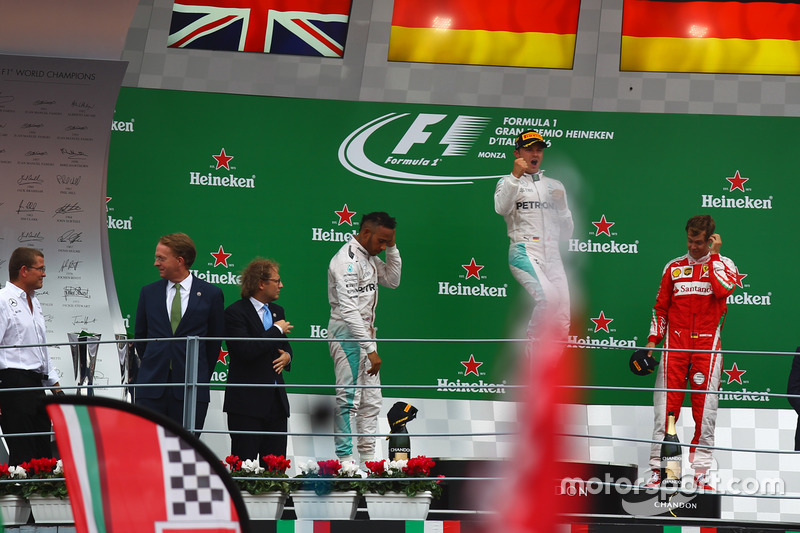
793	387
180	305
257	362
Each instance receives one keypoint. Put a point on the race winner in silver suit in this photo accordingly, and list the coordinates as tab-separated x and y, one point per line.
537	215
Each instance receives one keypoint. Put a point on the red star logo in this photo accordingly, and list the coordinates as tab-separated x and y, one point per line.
345	215
734	374
603	226
220	258
601	322
471	366
737	182
473	269
223	160
739	278
223	357
108	199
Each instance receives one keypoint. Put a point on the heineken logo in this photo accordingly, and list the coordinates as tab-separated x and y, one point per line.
224	278
602	322
211	179
471	367
344	216
733	201
457	289
744	396
610	247
119	223
472	270
735	374
223	160
737	181
573	341
122	125
745	298
601	227
221	257
480	387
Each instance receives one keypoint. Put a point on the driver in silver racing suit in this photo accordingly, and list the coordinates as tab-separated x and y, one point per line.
537	215
354	274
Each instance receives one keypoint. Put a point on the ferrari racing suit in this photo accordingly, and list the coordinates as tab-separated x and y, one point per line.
535	225
353	279
688	315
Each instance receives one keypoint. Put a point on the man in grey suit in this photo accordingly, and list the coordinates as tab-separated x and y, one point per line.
179	305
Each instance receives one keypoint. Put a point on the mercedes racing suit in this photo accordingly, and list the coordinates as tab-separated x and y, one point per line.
688	315
535	225
353	279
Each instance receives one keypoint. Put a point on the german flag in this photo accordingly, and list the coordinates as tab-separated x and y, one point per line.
481	32
711	36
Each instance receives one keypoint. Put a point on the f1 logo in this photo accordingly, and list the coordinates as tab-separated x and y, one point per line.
458	139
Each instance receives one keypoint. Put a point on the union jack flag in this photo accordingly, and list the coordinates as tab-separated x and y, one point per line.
296	27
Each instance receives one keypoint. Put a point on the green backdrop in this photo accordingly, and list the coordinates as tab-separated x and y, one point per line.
296	162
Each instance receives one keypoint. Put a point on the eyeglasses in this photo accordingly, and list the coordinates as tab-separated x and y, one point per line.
276	280
40	269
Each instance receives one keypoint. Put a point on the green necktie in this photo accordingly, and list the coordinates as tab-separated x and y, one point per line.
175	311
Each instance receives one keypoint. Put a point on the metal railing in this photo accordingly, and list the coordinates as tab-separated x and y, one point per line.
191	387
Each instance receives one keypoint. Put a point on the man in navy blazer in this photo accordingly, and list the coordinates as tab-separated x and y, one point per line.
179	305
257	408
793	387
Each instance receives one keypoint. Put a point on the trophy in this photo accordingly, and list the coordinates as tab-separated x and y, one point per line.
84	360
128	363
399	441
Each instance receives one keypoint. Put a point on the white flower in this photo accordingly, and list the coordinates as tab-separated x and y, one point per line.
308	467
397	466
251	466
17	472
59	469
349	469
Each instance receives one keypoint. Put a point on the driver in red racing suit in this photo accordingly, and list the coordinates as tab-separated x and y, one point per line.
688	315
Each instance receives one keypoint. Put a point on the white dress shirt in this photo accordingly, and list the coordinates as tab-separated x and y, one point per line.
186	288
21	325
262	308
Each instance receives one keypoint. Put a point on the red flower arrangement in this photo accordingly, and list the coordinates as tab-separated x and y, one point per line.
8	474
259	479
403	476
45	468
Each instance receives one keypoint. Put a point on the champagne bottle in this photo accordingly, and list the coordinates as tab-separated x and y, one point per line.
671	455
399	444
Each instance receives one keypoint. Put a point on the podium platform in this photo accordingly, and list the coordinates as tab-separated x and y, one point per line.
637	527
363	526
598	488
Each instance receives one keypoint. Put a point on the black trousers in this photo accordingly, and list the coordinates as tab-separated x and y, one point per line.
251	446
793	387
23	412
172	408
